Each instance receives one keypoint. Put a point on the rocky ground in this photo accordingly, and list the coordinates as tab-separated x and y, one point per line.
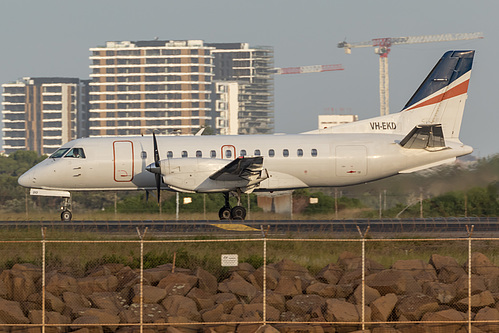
109	296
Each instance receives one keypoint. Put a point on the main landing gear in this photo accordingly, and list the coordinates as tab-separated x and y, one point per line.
235	213
66	214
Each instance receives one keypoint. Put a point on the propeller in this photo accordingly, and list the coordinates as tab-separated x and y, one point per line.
156	166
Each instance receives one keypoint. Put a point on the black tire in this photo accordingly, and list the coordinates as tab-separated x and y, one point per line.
238	213
66	216
224	213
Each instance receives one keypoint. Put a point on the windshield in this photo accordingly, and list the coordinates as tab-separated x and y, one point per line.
76	153
59	153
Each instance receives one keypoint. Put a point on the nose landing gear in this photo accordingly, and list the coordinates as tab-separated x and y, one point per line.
66	214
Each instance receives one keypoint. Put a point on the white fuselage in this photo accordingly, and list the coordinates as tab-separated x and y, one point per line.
297	161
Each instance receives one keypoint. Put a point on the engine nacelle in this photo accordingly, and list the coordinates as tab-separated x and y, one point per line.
188	173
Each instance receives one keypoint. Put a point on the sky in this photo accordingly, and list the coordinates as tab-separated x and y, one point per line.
52	38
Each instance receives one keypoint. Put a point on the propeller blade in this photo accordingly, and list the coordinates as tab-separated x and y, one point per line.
156	152
157	164
158	185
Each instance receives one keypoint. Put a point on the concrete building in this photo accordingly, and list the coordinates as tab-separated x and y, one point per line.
251	68
226	108
41	114
138	87
331	120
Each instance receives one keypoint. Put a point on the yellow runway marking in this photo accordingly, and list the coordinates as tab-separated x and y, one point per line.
235	227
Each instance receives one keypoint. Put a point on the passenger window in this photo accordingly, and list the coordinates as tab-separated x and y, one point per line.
243	152
299	152
257	152
169	154
184	153
228	153
59	153
199	153
271	153
143	155
314	152
285	152
213	154
76	153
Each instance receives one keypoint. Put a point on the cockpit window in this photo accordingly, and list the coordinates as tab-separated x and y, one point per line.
59	153
76	153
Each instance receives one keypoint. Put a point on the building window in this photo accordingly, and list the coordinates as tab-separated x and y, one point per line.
271	152
299	152
213	154
314	152
285	152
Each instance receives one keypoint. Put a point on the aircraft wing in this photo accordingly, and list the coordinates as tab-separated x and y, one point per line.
242	168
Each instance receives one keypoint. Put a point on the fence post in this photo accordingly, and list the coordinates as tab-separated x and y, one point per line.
264	284
44	230
141	302
363	236
469	230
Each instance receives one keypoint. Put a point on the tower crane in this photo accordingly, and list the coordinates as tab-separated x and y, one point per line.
307	69
382	47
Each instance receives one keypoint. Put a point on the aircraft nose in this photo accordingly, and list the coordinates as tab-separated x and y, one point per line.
27	179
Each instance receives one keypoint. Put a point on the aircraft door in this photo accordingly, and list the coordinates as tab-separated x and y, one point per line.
228	152
123	161
351	161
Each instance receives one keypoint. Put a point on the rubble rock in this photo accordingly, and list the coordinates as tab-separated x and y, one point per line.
92	284
11	313
413	307
150	294
420	270
370	294
182	306
178	283
342	311
480	300
330	274
393	281
207	281
383	307
482	265
58	284
322	289
239	286
448	269
444	293
110	301
289	286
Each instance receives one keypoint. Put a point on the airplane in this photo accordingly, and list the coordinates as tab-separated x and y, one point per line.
423	135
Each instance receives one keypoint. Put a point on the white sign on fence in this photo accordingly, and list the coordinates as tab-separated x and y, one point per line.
230	260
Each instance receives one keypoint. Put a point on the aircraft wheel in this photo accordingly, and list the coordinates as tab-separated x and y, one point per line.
224	213
66	216
238	213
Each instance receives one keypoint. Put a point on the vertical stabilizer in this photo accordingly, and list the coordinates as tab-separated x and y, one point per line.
442	95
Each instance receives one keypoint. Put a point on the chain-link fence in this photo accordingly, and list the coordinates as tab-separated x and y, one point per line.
106	282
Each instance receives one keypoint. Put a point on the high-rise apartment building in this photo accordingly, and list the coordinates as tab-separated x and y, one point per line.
141	86
251	68
41	114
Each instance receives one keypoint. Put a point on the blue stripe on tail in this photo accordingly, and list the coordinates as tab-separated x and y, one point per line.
450	67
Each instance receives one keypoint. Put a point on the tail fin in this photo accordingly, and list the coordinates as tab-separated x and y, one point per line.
442	95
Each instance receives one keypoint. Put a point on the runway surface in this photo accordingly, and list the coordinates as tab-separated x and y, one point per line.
450	227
